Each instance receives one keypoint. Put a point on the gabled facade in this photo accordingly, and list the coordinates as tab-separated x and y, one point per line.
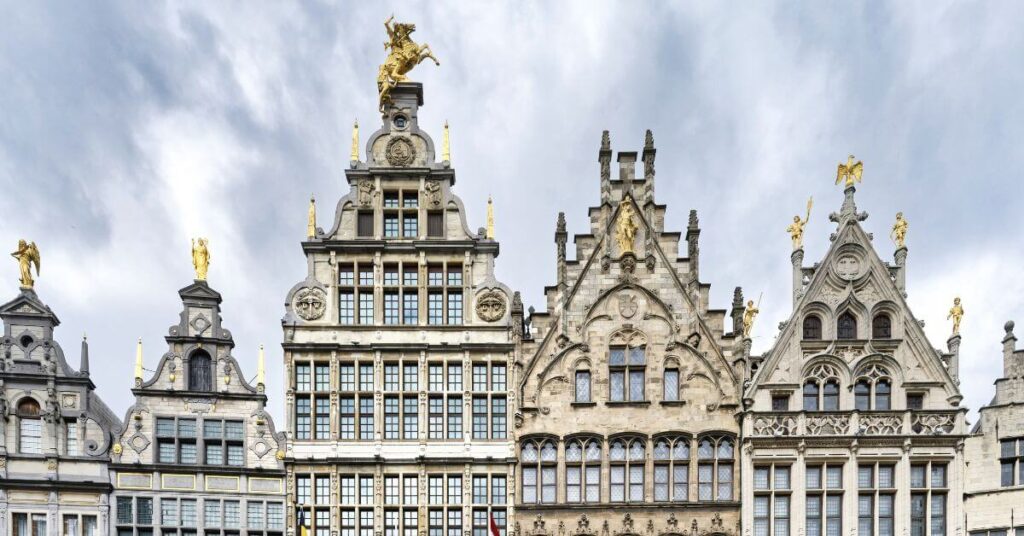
55	432
397	346
994	499
852	421
198	453
628	386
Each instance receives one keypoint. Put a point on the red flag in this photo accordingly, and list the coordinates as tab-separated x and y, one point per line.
494	527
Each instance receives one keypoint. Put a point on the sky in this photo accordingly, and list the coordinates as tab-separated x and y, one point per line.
126	128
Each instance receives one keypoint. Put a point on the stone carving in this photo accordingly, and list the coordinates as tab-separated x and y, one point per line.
310	303
366	191
69	400
400	152
432	194
834	424
628	305
774	425
880	424
628	263
848	267
491	306
824	372
933	423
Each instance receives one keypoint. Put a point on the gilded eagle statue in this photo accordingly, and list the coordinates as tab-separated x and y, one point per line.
403	55
27	255
850	172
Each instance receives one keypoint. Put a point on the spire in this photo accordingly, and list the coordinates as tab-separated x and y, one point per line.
490	213
648	160
604	156
355	142
261	374
138	364
84	367
560	237
311	223
446	146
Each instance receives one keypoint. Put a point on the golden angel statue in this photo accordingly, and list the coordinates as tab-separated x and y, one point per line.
625	228
956	313
200	258
403	56
796	229
850	172
899	231
27	255
748	318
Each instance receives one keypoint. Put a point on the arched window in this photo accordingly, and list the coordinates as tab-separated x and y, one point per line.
846	327
583	471
715	458
30	440
539	462
821	388
811	396
626	373
881	327
627	470
200	372
830	397
582	386
873	390
862	395
812	328
883	395
672	469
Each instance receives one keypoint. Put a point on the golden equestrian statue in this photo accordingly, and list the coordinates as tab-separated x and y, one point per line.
27	255
850	172
957	314
200	258
403	56
899	231
796	229
625	228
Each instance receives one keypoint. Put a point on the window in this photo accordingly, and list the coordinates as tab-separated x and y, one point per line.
715	469
444	294
71	438
780	402
312	496
29	524
435	224
262	516
811	396
364	224
875	500
771	500
824	500
916	401
671	385
79	525
626	373
539	466
176	440
1011	461
582	386
812	328
583	471
846	327
356	511
312	402
223	442
133	512
355	295
627	470
355	403
873	390
200	372
929	488
401	207
672	469
821	388
881	327
30	427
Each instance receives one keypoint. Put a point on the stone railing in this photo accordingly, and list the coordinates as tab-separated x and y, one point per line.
855	423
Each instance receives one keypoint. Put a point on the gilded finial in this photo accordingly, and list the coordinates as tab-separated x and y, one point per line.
311	218
957	314
899	231
200	257
850	172
27	255
138	363
446	146
403	55
355	142
490	218
261	374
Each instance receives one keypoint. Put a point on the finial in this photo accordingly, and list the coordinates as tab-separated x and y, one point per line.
355	142
261	374
490	218
84	366
648	140
138	363
694	222
27	254
560	225
446	147
311	218
850	172
1008	327
200	257
606	143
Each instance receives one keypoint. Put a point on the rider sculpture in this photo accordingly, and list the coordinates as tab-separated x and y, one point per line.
403	55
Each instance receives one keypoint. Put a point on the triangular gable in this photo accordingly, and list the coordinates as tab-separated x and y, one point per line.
200	290
27	304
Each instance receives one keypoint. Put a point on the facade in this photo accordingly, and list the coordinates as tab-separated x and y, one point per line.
55	434
198	453
851	422
994	499
397	344
630	385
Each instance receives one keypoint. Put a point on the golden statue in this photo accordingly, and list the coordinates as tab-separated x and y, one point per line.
27	255
748	318
625	228
403	56
200	258
956	313
311	218
899	230
796	229
355	142
850	172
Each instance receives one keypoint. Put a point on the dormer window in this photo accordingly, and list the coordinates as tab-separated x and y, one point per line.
812	328
846	327
200	372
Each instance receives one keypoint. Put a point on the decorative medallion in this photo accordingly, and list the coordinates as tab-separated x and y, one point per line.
200	324
138	442
628	305
848	267
310	303
260	448
490	307
400	152
69	400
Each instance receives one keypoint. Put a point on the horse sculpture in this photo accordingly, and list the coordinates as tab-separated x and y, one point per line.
403	56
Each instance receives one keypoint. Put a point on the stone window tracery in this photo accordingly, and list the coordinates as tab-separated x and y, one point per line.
626	369
715	468
583	471
538	459
626	473
821	388
672	469
873	389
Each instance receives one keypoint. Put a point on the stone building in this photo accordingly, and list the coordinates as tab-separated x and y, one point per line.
851	422
198	453
628	386
397	347
55	434
994	498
